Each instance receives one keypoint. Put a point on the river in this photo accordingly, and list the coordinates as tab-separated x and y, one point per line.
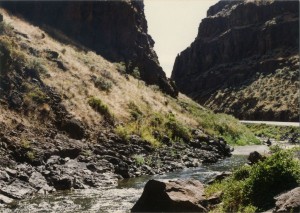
123	197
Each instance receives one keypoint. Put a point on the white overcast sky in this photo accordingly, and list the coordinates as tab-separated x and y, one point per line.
173	25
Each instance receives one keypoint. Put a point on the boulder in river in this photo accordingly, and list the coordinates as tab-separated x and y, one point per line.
172	196
254	157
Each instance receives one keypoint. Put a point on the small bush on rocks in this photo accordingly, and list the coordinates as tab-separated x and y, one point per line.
134	110
139	159
101	108
38	96
153	127
5	28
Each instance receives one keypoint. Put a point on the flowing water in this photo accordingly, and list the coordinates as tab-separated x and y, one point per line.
120	198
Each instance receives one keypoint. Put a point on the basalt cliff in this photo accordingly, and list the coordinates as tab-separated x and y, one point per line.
245	60
117	30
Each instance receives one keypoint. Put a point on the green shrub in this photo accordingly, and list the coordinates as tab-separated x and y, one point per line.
153	127
38	96
10	55
101	108
139	159
178	130
254	187
103	84
136	73
276	174
123	132
154	88
121	67
134	110
36	64
31	155
5	28
106	74
220	125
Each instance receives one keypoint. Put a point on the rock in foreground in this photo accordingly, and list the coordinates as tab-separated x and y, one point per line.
171	196
289	201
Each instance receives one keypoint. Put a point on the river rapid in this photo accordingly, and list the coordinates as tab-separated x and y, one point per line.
123	197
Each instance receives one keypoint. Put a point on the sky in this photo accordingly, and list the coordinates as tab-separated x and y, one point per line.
173	25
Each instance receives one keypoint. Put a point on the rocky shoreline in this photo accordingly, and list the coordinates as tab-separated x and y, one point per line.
46	164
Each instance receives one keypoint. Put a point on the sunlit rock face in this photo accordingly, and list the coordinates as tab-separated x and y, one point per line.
244	60
117	30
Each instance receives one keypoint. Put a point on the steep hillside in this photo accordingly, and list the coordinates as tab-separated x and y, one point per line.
71	119
245	60
117	30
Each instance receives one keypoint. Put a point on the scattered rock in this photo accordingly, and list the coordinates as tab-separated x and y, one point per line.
171	196
51	54
1	17
15	100
32	73
254	157
38	181
61	65
122	169
62	182
74	128
11	172
4	176
289	201
17	190
5	200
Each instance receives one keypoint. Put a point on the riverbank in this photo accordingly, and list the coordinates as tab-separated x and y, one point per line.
123	193
50	164
118	198
257	188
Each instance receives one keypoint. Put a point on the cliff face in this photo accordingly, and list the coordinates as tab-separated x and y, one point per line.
244	60
117	30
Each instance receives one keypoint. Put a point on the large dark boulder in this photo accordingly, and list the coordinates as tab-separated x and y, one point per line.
255	157
18	190
74	128
171	196
289	201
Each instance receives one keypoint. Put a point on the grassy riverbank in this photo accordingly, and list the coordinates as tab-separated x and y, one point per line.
252	188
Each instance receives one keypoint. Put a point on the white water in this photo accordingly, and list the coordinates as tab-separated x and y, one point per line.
119	199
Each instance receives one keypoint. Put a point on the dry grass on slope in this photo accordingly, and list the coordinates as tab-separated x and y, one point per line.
268	96
88	76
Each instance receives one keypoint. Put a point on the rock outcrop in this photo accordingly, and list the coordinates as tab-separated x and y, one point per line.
255	157
289	201
244	60
117	30
171	196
